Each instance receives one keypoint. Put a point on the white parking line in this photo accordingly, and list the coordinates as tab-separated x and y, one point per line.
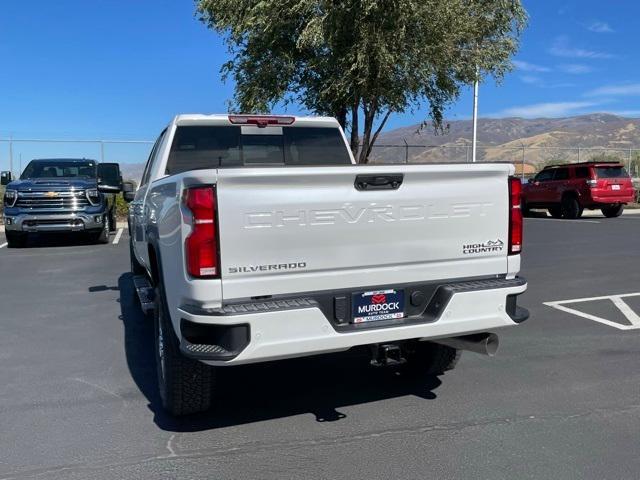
561	220
617	300
118	235
2	245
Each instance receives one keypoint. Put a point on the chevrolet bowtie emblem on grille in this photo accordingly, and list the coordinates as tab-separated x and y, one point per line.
51	194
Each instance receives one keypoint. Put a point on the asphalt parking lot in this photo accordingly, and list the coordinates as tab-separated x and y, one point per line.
560	400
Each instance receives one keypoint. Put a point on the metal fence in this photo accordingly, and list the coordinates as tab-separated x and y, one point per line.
15	153
529	159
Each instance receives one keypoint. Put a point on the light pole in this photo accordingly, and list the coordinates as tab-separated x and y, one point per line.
475	116
11	154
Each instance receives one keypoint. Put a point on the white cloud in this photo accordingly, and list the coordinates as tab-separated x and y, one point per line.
624	113
575	68
536	81
561	48
530	67
560	85
530	79
630	89
600	27
536	110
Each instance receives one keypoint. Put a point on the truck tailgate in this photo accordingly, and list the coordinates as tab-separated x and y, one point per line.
305	229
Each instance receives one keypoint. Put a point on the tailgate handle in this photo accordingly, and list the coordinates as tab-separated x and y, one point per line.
379	182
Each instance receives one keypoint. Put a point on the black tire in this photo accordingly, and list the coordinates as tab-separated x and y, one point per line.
136	267
16	239
570	207
524	208
555	212
112	222
185	385
612	211
103	235
426	358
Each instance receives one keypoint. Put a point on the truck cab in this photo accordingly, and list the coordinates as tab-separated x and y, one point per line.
61	195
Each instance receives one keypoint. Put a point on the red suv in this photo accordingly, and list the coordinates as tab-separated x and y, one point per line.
566	190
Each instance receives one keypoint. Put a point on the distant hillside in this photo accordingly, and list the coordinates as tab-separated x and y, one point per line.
544	139
132	171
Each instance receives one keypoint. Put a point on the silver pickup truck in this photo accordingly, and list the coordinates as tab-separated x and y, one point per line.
257	238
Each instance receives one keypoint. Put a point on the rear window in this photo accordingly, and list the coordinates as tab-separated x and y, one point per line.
611	172
198	147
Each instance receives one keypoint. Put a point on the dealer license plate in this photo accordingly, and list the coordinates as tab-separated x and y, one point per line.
377	305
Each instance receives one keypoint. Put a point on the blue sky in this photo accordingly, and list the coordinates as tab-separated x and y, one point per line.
575	57
122	68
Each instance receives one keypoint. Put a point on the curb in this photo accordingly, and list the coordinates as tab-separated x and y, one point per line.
597	213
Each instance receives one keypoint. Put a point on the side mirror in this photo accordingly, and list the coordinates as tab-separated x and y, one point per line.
5	178
530	180
109	178
128	191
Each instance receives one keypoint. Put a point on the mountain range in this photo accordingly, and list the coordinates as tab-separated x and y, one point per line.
506	139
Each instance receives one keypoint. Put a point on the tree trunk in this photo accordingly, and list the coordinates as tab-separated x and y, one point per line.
375	135
369	115
341	116
355	130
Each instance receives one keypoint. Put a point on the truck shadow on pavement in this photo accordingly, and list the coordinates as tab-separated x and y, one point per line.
543	215
49	240
319	385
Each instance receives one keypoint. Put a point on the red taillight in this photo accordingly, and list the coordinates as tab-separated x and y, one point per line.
201	246
515	216
260	120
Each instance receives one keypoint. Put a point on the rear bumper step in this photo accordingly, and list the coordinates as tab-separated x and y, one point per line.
286	327
425	303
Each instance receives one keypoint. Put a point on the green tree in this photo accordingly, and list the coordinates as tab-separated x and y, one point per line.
362	60
604	156
122	207
635	165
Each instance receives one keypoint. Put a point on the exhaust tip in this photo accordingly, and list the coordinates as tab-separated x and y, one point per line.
491	344
482	343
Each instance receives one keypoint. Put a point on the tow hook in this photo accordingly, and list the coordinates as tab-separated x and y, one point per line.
386	355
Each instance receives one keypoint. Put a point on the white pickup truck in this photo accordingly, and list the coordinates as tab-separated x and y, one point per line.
257	238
